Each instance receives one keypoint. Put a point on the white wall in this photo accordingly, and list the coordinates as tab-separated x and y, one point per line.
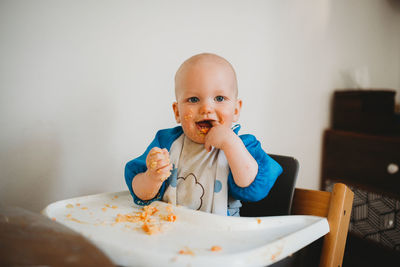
84	85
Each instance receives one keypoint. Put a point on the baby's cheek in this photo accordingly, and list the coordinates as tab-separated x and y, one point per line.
188	115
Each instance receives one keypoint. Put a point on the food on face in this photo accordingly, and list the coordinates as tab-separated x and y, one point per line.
189	116
204	130
204	126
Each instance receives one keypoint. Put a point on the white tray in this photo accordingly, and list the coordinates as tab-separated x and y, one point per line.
244	241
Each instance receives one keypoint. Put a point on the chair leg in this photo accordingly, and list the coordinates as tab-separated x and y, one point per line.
340	206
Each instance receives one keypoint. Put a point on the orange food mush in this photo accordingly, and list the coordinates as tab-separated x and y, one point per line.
216	248
171	217
204	130
146	217
186	251
150	228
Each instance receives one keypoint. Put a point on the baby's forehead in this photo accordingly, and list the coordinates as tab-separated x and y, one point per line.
204	62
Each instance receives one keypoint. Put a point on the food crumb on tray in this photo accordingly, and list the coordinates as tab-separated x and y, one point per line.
186	251
216	248
150	224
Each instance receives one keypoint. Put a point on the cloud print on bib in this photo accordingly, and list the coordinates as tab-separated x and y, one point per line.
190	192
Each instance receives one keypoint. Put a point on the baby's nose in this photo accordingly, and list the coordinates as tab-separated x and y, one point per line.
206	108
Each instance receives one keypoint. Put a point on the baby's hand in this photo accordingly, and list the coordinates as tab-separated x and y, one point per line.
158	164
218	136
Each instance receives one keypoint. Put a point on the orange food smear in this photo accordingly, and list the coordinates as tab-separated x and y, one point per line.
150	228
145	216
186	117
76	220
153	165
204	130
276	254
171	217
149	210
186	251
216	248
258	221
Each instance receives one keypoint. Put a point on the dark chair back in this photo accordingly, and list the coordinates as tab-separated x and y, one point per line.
279	200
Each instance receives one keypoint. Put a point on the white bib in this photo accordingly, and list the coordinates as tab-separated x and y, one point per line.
199	178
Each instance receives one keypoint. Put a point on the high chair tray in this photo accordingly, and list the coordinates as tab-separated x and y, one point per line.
115	225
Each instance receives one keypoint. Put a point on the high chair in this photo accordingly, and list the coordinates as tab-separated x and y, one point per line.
285	199
279	199
336	207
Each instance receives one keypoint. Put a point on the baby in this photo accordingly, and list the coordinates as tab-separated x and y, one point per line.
203	164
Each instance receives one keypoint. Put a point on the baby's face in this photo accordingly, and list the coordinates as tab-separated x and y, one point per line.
206	96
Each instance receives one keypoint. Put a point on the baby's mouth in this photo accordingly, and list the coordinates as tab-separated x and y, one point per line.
204	126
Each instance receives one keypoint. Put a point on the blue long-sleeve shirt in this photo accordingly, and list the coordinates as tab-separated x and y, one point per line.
268	168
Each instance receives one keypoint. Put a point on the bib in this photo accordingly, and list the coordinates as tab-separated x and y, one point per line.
199	178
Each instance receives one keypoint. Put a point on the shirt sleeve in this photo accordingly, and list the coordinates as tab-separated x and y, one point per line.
268	172
163	139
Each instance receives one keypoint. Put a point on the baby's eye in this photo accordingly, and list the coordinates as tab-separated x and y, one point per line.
193	99
219	98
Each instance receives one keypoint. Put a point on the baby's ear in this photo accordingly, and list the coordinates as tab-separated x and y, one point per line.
176	112
238	108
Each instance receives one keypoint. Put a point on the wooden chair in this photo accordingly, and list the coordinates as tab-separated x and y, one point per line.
285	199
336	207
